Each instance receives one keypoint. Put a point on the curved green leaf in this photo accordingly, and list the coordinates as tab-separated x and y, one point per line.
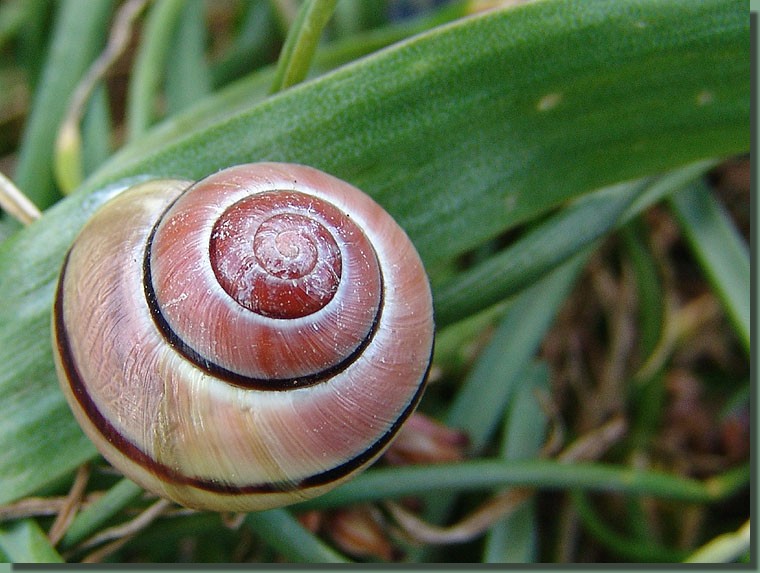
721	251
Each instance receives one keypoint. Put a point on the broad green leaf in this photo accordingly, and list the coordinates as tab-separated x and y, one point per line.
461	133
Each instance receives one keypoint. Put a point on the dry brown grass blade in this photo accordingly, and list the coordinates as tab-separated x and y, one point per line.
590	446
71	506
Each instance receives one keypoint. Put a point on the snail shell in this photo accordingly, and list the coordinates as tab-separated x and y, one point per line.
244	342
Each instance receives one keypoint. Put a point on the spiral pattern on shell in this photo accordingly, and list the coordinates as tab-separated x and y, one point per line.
244	342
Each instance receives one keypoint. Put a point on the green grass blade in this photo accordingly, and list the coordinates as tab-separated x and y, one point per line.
13	14
625	548
649	290
513	540
488	474
552	242
285	534
24	542
80	32
96	131
301	43
726	548
542	249
255	40
87	522
486	394
188	78
480	403
721	251
149	65
34	42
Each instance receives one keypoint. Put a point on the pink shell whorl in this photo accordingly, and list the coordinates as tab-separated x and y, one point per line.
262	338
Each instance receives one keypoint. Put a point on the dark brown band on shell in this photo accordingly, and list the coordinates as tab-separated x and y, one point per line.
229	376
131	451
